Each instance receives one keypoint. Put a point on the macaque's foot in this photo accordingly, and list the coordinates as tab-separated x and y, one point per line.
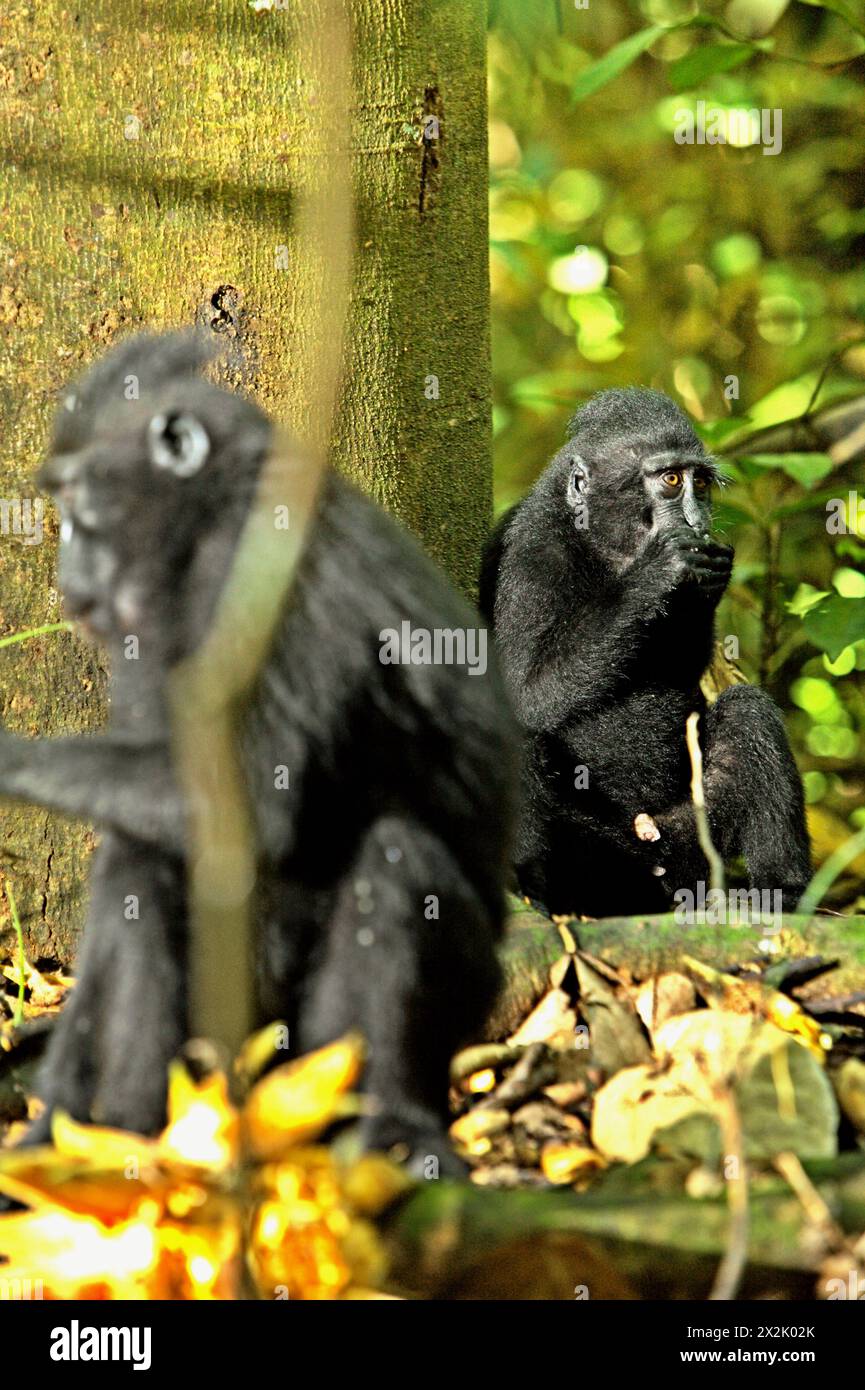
422	1148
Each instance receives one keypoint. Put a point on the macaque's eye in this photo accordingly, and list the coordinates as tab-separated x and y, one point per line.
672	479
701	482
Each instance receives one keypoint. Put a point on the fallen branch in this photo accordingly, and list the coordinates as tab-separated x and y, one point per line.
631	1236
647	946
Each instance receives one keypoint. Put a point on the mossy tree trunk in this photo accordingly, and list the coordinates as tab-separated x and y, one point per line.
151	154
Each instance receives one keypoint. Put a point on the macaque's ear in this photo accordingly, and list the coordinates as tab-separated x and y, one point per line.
179	443
577	480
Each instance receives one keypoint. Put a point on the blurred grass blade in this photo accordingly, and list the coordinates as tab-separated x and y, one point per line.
615	62
830	870
34	632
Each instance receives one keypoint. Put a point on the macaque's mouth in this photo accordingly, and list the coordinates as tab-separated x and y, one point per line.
94	625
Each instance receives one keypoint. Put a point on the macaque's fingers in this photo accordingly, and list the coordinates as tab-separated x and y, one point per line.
711	565
691	542
719	559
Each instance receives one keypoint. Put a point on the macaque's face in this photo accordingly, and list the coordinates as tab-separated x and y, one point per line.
679	490
124	538
633	488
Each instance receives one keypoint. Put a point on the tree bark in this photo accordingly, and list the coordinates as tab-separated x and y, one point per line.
151	155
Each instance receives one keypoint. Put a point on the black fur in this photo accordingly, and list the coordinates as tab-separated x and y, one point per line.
401	777
604	621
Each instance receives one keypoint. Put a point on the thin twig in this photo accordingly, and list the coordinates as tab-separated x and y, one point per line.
208	691
813	1205
704	834
735	1257
769	638
818	385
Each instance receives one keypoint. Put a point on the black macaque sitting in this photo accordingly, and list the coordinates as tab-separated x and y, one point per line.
382	863
602	586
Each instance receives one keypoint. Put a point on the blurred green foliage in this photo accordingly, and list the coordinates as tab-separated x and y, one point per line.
725	274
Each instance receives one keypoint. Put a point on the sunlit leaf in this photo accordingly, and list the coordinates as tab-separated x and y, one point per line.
108	1148
259	1050
80	1258
714	432
805	598
202	1123
295	1102
568	1161
806	469
118	1216
41	1177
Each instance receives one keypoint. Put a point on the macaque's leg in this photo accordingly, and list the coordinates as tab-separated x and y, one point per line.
753	797
126	1017
146	1021
754	792
409	961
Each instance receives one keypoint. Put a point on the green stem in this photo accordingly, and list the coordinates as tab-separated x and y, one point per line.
829	871
34	632
704	834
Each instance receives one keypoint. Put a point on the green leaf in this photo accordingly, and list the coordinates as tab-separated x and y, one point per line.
812	503
705	61
836	624
849	549
620	57
847	9
546	392
623	54
727	514
714	432
805	469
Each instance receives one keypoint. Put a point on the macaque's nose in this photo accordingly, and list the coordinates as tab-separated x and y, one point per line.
691	511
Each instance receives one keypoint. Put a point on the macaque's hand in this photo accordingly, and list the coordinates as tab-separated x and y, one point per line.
700	558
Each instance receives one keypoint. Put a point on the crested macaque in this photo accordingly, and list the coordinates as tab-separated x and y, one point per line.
382	860
602	586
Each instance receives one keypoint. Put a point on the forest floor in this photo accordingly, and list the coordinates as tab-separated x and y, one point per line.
666	1132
